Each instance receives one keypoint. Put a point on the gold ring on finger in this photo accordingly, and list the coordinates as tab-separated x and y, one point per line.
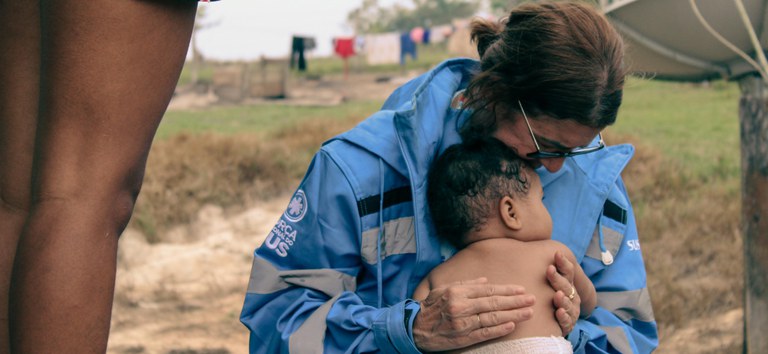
572	294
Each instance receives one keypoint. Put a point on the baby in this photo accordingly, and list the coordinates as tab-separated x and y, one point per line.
487	202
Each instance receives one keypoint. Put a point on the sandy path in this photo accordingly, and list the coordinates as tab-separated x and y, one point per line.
185	296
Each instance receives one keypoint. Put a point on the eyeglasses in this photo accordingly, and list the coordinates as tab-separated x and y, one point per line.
556	155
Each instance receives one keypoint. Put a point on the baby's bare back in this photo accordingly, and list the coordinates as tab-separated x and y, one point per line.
508	261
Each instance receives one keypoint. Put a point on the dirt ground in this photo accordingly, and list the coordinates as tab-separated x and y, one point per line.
324	91
185	295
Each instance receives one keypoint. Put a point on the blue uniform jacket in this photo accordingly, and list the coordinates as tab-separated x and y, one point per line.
336	272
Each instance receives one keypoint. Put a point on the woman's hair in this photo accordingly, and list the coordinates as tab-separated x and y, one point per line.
467	182
563	60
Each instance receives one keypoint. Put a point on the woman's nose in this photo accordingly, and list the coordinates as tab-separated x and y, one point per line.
553	165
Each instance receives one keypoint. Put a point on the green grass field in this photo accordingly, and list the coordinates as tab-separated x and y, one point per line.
260	120
693	125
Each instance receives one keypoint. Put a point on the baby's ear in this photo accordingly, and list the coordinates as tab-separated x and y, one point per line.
509	213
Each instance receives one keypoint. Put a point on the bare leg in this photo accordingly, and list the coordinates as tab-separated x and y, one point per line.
19	76
108	72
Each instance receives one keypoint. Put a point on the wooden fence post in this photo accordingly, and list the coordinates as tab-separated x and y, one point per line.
753	117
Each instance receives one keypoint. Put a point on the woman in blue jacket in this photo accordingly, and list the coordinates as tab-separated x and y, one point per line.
337	271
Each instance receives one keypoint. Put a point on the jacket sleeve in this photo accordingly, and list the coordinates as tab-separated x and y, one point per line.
301	294
623	321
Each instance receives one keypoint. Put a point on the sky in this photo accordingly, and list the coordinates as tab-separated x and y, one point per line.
247	29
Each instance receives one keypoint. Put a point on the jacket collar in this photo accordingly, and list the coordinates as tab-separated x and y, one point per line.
415	116
603	167
424	127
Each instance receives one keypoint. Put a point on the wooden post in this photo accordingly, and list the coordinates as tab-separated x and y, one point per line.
753	115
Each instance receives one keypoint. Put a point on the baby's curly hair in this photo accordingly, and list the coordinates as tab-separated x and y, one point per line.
467	181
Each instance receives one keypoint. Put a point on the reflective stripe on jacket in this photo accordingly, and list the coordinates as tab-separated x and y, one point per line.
336	272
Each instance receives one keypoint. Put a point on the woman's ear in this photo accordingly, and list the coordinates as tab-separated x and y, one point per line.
509	213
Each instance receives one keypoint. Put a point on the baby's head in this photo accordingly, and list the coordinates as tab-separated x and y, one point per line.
484	188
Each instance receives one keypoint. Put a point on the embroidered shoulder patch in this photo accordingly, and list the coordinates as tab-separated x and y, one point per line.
458	100
297	208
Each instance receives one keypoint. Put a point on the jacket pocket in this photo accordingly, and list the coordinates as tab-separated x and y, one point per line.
609	234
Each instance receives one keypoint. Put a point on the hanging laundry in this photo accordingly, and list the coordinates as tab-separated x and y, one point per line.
344	47
359	44
382	48
439	34
407	47
299	45
417	34
309	43
297	54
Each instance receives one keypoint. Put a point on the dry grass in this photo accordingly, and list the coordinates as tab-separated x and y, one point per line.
689	229
233	171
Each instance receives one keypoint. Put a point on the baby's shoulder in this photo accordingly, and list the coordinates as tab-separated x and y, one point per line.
548	247
496	244
512	250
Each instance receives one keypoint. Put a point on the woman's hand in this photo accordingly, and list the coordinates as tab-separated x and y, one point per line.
468	312
567	300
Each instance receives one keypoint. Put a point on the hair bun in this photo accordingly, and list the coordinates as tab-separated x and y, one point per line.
485	33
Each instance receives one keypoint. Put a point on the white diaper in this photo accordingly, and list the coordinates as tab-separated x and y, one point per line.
531	345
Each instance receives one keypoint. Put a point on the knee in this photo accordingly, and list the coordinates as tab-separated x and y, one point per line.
120	202
100	209
9	206
123	210
100	195
15	195
13	210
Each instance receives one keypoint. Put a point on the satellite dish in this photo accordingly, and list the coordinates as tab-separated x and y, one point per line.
668	40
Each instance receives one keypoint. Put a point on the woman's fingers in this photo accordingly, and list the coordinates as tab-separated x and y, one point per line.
564	266
483	334
566	300
565	321
492	319
571	306
557	280
480	298
465	313
477	288
501	303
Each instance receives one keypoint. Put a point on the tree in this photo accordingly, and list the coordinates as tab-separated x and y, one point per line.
368	18
372	18
502	7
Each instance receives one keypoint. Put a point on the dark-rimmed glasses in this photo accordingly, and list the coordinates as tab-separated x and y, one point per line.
556	155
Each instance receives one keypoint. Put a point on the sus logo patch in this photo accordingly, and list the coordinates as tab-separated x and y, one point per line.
297	208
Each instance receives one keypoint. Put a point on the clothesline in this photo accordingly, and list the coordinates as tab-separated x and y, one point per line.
391	47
